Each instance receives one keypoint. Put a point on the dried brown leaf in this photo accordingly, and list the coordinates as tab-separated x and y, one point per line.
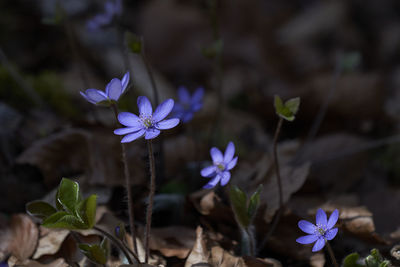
50	241
13	261
173	241
25	235
199	253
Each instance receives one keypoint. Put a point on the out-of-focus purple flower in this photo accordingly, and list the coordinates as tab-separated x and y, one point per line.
188	104
147	123
111	8
114	89
320	233
222	164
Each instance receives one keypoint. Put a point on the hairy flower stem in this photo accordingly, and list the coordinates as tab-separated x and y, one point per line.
119	245
330	251
128	188
279	181
149	212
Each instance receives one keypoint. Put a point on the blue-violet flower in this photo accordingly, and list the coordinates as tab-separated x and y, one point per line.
320	233
222	164
188	104
111	9
114	89
147	123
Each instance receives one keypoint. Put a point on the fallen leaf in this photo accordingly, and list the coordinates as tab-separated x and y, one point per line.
199	254
50	241
25	235
13	261
173	241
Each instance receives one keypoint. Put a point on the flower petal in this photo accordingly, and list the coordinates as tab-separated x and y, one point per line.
225	177
307	239
321	218
133	136
318	245
306	227
231	164
213	182
229	152
208	171
333	219
197	95
144	106
330	234
96	95
216	155
152	133
196	107
127	130
125	81
114	89
129	119
167	124
87	98
183	94
163	110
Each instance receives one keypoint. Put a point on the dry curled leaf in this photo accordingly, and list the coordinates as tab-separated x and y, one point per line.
173	241
25	235
199	253
12	261
50	241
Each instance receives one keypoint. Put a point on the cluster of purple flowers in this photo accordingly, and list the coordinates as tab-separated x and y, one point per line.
112	8
149	124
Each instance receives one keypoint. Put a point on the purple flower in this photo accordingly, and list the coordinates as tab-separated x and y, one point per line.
222	164
188	105
111	9
147	123
322	232
114	89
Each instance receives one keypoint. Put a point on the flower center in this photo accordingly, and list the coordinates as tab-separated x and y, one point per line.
221	166
146	121
320	230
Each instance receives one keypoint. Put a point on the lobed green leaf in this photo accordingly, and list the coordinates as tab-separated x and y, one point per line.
239	206
40	209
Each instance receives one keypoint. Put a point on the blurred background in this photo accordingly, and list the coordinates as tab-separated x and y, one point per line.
342	58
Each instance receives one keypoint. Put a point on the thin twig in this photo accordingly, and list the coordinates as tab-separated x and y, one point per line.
128	188
330	251
279	181
151	196
118	244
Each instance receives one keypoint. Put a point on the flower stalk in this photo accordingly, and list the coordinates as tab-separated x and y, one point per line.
331	254
149	212
116	242
128	188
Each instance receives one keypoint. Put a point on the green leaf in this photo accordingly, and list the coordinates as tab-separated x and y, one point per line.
293	105
40	209
133	42
239	206
94	252
376	259
254	203
288	110
64	220
87	210
68	195
351	260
